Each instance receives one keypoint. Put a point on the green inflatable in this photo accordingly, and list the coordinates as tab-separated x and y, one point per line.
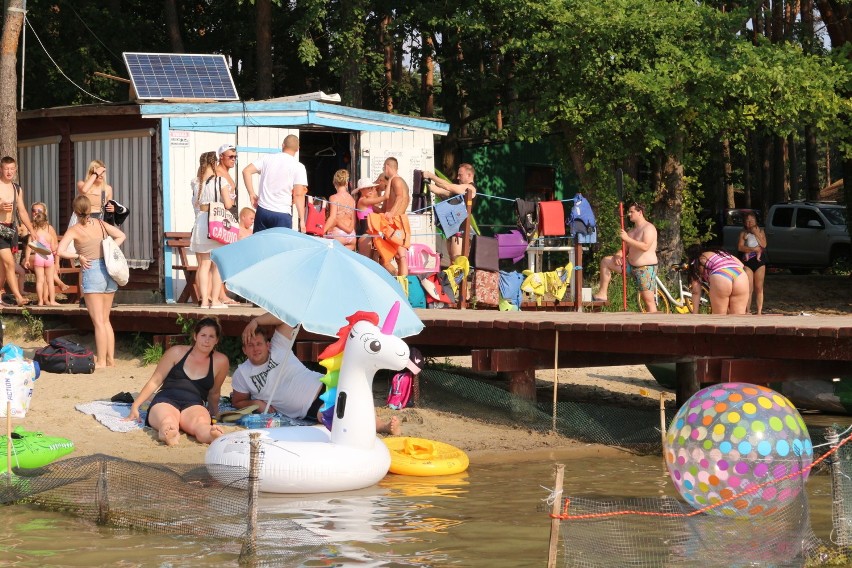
33	449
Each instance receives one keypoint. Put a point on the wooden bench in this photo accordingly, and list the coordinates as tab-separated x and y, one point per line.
179	243
72	276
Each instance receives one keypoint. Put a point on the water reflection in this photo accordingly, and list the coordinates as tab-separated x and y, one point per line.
494	515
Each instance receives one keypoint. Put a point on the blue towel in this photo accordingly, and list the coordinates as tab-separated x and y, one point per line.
451	214
510	286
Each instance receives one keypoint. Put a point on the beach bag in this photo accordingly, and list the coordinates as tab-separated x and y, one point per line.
451	214
17	379
222	226
551	218
315	217
64	356
114	260
581	222
400	390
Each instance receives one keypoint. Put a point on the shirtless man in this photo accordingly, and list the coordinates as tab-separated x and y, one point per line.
10	200
446	189
398	198
641	242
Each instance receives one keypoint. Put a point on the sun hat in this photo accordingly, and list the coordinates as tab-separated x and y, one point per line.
224	148
364	183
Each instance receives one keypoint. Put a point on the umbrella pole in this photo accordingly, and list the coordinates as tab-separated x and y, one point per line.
278	381
619	187
468	198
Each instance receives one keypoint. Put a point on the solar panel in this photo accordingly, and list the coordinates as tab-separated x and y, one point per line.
180	76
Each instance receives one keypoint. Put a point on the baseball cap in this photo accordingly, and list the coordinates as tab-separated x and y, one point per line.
224	148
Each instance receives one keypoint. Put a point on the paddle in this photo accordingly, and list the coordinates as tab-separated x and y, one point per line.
619	186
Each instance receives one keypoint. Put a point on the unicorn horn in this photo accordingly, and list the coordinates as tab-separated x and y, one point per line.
390	321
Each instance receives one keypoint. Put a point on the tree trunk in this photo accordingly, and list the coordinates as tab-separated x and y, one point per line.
263	56
387	44
748	182
766	172
427	70
793	159
812	185
9	78
173	26
726	167
668	208
780	192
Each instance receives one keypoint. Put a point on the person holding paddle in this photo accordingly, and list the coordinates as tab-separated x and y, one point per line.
641	244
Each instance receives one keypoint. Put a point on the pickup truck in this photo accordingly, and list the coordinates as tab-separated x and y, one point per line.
800	235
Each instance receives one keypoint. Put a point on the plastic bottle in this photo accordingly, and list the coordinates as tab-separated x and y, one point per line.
253	421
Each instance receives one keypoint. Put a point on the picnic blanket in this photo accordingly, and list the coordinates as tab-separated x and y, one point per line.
112	414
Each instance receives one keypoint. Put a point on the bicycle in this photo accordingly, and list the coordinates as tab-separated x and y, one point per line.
683	303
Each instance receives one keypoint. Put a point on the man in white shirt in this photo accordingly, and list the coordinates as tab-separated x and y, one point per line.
283	181
272	374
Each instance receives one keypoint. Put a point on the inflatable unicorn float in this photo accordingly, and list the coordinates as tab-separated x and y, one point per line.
344	452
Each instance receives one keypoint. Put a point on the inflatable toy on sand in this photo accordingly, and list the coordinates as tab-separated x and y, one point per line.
312	459
33	449
421	457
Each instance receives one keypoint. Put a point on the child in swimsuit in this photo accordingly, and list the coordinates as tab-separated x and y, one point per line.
340	224
43	265
368	197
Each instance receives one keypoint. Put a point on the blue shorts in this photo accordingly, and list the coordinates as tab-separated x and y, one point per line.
96	279
265	219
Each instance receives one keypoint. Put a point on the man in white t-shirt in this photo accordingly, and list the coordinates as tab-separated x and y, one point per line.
272	374
283	180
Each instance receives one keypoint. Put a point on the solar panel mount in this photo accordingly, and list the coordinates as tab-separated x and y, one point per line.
180	76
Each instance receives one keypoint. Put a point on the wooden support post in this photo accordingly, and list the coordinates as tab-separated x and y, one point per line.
578	276
248	554
687	380
517	365
555	377
468	199
555	510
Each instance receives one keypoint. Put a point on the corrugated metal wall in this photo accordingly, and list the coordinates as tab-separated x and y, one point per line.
38	174
127	156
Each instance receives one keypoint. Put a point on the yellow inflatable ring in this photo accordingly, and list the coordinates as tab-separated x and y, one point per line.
421	457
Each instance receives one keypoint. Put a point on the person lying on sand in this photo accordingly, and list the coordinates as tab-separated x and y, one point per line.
186	377
272	375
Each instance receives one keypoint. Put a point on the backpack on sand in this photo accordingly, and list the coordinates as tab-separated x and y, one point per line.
64	356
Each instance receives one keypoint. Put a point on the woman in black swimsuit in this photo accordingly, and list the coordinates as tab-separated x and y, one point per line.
185	379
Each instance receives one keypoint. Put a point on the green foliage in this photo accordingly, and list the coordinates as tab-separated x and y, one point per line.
139	342
152	354
232	347
187	325
34	328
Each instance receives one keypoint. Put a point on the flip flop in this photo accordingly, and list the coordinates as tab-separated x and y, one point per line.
596	299
234	415
39	248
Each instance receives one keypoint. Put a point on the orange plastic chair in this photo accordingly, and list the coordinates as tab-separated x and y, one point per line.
422	259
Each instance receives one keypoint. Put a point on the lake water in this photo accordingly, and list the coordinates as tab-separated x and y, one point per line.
494	515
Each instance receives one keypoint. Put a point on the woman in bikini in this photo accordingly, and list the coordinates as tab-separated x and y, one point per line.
752	244
724	275
96	189
340	224
369	200
186	378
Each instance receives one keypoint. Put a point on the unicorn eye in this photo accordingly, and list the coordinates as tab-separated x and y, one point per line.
375	346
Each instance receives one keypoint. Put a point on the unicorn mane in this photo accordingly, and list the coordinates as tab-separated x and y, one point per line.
331	358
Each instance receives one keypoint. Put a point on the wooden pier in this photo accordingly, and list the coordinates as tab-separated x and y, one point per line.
706	349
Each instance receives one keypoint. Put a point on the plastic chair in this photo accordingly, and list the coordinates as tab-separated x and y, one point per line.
419	262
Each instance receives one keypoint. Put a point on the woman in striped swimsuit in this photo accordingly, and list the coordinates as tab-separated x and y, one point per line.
725	277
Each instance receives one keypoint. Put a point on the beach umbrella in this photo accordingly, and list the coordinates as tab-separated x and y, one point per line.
310	281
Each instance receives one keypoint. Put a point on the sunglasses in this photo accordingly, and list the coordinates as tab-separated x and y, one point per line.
230	157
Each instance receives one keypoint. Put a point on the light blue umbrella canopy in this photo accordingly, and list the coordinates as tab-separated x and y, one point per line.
311	281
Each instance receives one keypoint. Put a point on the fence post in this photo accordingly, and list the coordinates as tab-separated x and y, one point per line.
248	554
839	519
554	521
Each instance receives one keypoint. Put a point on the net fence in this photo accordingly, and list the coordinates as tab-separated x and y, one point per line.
178	499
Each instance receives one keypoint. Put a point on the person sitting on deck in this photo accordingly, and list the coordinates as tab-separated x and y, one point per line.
275	380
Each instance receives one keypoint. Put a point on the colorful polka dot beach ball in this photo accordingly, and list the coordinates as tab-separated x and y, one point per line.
732	436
